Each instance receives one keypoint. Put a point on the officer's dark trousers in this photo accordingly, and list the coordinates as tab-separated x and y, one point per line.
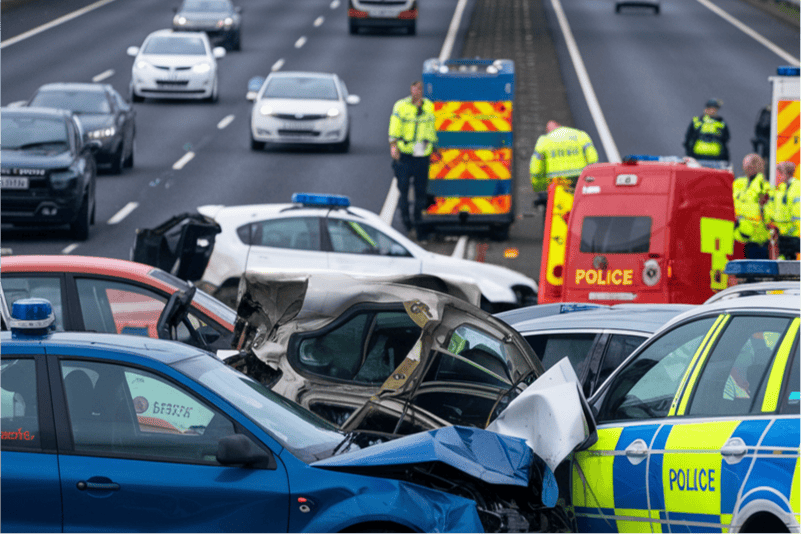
755	251
410	169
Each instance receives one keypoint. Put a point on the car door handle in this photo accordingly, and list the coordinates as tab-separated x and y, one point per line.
98	486
733	450
637	451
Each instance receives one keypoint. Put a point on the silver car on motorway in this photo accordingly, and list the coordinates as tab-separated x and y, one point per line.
300	107
175	64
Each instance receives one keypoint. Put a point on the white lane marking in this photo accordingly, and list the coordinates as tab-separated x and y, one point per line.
124	212
186	158
335	4
460	248
300	42
391	202
319	21
447	46
751	33
277	65
70	248
53	23
103	75
608	143
225	122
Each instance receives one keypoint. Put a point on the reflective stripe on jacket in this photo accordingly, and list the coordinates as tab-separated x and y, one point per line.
707	137
751	225
783	208
407	125
563	152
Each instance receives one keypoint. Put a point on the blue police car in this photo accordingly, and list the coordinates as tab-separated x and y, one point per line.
119	433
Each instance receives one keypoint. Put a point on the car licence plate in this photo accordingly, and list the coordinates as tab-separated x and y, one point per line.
13	182
383	13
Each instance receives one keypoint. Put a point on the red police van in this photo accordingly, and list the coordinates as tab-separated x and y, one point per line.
648	230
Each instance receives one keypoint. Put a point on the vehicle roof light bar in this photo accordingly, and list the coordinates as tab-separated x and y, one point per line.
788	71
321	201
31	317
750	270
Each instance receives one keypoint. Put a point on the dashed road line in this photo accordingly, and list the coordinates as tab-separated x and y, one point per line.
124	212
277	65
225	122
319	21
300	42
103	75
186	158
70	248
53	23
335	4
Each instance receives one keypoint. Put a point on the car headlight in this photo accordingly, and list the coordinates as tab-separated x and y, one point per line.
101	133
64	179
333	112
266	109
179	20
143	65
201	68
227	22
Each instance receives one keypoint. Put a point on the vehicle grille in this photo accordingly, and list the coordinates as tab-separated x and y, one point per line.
162	67
294	117
383	2
299	133
172	83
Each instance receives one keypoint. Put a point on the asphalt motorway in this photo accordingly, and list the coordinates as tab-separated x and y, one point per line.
639	80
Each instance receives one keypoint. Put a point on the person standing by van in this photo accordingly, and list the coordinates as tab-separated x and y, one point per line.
561	152
412	136
783	210
707	137
750	194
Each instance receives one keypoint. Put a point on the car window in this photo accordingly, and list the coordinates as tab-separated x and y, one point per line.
551	348
19	416
792	390
77	101
645	387
204	6
476	357
305	87
128	411
50	288
615	235
733	379
34	133
358	238
298	233
366	348
183	45
619	348
118	308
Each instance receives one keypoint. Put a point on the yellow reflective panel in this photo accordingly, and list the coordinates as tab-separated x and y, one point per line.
698	362
596	465
777	372
633	525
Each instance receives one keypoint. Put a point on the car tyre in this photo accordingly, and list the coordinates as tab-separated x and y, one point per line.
256	145
617	8
499	232
118	159
656	9
214	96
237	42
354	27
135	97
129	161
80	226
344	146
411	29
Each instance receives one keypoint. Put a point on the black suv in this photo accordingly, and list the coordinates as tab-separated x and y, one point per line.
48	170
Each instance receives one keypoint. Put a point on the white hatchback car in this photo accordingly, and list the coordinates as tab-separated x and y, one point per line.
300	107
318	232
173	64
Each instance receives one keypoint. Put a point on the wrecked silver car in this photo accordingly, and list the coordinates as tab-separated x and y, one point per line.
378	354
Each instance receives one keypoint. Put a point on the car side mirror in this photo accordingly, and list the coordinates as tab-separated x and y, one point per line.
353	100
132	51
239	449
254	85
219	52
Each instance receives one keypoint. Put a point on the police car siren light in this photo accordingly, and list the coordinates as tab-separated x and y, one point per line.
763	269
788	71
32	317
323	201
574	307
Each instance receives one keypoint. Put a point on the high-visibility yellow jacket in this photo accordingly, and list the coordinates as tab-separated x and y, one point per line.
782	209
563	152
707	138
746	193
410	124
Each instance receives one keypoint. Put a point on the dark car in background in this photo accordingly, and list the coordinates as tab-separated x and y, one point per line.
104	114
595	340
48	170
220	19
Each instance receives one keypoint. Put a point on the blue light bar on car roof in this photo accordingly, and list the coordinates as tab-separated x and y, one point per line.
763	269
788	71
31	317
323	201
569	308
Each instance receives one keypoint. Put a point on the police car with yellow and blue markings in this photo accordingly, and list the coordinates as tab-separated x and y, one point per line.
698	430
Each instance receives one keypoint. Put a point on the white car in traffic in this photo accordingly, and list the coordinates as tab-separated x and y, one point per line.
300	107
175	64
317	232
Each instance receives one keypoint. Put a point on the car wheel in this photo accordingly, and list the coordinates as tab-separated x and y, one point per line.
499	232
344	146
411	29
118	159
135	97
238	42
656	9
129	161
256	145
617	8
354	27
228	295
80	226
213	97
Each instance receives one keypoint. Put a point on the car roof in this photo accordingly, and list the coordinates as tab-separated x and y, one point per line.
169	32
72	86
94	343
253	212
297	73
76	264
646	318
782	303
756	288
39	112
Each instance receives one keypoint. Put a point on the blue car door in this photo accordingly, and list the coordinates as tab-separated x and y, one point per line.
143	458
31	497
